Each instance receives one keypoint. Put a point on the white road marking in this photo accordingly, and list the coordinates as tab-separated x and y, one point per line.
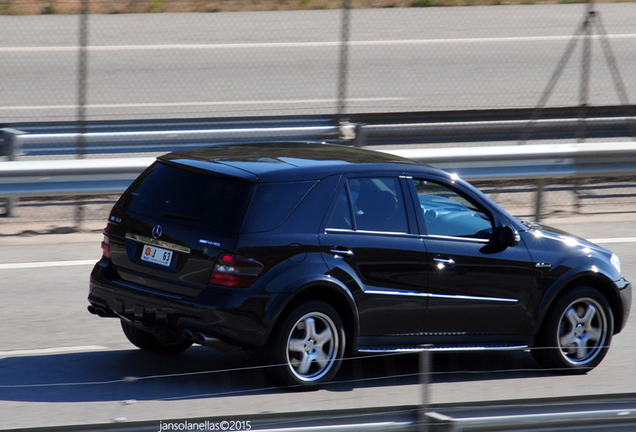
322	44
190	104
32	265
614	240
48	351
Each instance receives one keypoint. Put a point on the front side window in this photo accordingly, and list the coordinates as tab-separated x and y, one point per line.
448	213
370	204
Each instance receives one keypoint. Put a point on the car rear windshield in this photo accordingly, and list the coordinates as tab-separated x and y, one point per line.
189	197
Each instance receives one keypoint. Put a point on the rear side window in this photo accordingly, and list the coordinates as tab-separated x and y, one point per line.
189	198
273	203
370	204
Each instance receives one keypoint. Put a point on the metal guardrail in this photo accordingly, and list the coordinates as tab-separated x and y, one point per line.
509	127
612	412
18	142
530	161
69	177
540	421
363	130
538	162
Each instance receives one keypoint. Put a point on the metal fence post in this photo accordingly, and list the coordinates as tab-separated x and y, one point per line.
12	150
539	198
81	98
425	371
344	59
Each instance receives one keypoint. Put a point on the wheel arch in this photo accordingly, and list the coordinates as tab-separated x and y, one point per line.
593	280
340	298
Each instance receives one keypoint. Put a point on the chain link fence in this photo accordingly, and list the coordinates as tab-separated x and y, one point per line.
85	60
351	57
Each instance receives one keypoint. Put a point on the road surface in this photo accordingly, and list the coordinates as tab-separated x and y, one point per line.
59	365
276	63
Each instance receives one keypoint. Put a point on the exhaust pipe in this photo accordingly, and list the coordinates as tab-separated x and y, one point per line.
97	311
187	334
203	339
215	343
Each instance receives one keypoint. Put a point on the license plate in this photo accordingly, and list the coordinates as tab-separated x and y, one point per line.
156	255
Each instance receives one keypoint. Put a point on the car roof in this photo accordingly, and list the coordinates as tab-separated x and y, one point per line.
285	161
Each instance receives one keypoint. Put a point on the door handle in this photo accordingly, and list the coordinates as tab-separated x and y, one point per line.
338	253
443	263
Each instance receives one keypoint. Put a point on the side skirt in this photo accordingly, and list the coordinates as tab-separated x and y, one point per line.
436	348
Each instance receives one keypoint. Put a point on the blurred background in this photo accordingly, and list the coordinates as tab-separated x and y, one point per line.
123	66
82	66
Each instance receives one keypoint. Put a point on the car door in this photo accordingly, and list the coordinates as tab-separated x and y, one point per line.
370	244
475	285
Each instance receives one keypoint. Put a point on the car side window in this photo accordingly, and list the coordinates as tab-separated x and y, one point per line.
447	213
370	204
273	203
341	216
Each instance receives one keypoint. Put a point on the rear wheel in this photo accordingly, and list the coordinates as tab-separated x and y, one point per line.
577	332
151	343
308	346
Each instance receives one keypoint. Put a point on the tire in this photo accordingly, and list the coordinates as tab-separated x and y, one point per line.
306	349
576	333
151	343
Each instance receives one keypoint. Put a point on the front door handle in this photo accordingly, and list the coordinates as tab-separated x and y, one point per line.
443	263
339	253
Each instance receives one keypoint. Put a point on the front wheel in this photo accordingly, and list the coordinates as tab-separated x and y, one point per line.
151	343
306	350
577	332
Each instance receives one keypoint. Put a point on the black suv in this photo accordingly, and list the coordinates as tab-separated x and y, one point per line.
307	252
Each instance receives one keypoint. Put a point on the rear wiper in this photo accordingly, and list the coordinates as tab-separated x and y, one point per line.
179	216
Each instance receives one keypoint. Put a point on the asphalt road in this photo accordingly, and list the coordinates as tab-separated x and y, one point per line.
266	63
59	365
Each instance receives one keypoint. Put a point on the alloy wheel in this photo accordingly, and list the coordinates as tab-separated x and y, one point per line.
313	346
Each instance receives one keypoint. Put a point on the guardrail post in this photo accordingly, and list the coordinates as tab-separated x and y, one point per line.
11	150
425	372
12	146
539	198
361	136
347	131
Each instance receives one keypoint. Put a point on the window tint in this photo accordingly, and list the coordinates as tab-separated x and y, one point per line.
190	198
448	213
341	216
376	203
273	203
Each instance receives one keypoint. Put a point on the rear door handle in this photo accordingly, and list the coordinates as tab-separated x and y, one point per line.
339	253
444	262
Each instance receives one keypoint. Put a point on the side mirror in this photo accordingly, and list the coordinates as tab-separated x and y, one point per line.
508	236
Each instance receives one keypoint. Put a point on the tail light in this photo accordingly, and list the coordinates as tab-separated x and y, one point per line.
235	271
106	242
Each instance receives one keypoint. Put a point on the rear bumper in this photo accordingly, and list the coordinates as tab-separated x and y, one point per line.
234	317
